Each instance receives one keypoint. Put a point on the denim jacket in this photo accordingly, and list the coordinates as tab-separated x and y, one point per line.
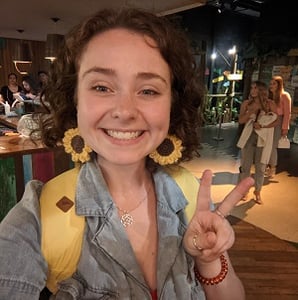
107	268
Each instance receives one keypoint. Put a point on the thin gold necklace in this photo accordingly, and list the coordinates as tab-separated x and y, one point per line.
126	218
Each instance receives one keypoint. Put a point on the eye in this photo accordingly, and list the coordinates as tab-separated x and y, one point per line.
149	92
101	88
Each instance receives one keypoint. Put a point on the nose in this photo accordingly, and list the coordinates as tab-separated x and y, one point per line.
125	107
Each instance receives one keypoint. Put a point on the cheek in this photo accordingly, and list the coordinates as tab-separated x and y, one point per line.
162	111
163	119
85	107
84	114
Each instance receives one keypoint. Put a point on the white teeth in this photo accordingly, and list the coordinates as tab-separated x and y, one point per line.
123	135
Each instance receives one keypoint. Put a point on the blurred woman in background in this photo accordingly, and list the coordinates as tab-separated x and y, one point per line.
30	89
258	114
8	90
282	101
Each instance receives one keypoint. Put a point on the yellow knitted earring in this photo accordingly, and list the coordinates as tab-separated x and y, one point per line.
75	145
168	152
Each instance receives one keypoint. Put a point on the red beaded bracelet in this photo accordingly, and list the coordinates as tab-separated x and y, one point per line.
217	279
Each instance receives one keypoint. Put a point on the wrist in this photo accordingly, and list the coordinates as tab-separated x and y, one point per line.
212	273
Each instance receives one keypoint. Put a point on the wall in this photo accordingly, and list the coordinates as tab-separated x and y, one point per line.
7	47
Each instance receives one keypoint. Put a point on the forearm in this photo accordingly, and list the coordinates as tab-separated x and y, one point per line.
273	124
244	117
230	288
243	114
286	112
286	122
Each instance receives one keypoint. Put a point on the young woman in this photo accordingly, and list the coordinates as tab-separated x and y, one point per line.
30	90
126	82
258	113
43	78
282	100
8	90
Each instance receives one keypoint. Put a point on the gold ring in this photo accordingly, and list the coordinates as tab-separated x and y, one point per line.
194	241
219	213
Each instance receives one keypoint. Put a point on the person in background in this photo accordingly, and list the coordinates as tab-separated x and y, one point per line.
283	101
43	78
7	91
258	114
123	100
30	89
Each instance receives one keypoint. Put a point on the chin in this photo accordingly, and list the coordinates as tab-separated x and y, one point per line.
120	160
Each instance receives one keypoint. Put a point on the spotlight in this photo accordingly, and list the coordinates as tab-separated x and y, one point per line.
220	6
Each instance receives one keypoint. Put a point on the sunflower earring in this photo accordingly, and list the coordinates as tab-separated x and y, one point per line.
168	152
75	145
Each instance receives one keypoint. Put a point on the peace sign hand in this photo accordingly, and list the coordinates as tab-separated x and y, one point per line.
209	234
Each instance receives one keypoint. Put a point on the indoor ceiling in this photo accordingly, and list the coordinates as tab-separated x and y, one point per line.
247	7
34	17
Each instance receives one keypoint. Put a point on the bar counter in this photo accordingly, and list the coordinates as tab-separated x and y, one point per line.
22	160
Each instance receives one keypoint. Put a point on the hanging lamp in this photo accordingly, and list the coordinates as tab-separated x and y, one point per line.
22	56
53	43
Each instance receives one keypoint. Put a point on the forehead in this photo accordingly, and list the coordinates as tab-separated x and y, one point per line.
109	41
122	48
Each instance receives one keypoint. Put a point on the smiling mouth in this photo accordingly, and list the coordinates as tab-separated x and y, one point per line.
124	135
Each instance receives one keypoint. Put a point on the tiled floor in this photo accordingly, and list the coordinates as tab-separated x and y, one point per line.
278	214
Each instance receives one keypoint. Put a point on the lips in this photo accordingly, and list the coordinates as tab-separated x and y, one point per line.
124	135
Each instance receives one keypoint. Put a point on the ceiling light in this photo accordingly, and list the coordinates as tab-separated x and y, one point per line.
221	8
53	43
22	54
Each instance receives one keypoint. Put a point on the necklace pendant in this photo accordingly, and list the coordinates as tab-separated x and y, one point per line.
126	219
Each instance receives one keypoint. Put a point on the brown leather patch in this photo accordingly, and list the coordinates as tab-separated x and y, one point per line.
65	204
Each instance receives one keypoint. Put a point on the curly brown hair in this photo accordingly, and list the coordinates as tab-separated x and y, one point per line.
60	94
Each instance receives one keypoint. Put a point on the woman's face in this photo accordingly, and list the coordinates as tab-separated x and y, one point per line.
43	78
124	96
254	91
26	86
273	85
12	79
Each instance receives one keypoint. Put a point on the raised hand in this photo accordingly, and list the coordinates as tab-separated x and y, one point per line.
209	234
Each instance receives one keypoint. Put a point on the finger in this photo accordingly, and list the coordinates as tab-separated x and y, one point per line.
235	196
203	241
204	194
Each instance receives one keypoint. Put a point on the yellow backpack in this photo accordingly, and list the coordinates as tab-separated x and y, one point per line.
62	230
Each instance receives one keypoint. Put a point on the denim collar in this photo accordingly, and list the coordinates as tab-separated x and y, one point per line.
94	199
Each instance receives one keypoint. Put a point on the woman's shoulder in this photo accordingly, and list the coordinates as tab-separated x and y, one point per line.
245	102
285	95
4	88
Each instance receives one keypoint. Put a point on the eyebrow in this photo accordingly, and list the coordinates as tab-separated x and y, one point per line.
150	75
99	70
108	71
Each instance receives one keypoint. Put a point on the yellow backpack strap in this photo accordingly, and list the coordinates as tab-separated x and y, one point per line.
61	229
189	185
